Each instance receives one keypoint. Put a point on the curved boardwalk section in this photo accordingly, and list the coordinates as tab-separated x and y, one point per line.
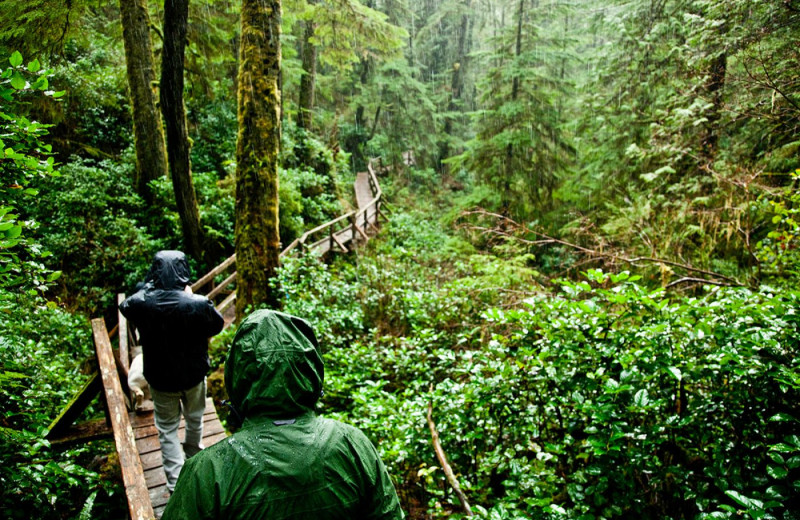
134	433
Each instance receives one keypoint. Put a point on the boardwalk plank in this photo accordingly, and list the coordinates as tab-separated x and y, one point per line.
139	504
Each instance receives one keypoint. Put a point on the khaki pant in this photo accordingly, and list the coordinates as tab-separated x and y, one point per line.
168	407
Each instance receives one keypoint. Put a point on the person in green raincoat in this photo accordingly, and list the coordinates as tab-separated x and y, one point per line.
285	462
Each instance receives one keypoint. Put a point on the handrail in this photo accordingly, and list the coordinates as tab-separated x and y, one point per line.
375	201
139	504
371	208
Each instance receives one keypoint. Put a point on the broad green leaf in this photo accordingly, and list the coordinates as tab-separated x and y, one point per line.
776	457
16	59
34	66
743	500
676	372
14	232
17	81
777	472
641	399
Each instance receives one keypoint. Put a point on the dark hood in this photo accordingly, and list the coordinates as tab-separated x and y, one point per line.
274	367
170	270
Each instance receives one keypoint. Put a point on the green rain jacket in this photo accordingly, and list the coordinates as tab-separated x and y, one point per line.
285	462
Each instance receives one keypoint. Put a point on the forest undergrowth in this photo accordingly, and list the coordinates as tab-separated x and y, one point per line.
603	396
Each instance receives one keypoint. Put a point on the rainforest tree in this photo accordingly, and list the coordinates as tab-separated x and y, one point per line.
176	15
148	132
258	244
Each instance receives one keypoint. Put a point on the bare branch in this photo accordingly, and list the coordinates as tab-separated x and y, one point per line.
612	256
688	279
448	471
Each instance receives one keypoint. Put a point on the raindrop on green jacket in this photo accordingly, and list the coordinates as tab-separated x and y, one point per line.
285	462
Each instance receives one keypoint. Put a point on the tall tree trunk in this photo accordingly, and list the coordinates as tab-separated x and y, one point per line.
307	80
714	88
456	84
176	19
148	132
508	165
257	237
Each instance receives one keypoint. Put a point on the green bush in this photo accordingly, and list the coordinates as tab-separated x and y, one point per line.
604	399
42	350
90	222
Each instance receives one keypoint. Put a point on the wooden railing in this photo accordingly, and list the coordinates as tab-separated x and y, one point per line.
337	233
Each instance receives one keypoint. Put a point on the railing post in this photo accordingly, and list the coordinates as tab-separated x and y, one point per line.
352	220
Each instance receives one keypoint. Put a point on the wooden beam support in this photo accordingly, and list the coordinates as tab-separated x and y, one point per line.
81	433
373	226
361	231
75	407
338	243
139	504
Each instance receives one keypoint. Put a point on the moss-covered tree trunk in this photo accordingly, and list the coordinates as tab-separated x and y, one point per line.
176	19
259	100
148	131
307	81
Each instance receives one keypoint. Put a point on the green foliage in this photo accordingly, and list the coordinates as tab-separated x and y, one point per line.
213	133
90	221
25	163
42	351
95	118
312	179
778	252
600	399
347	30
37	26
520	148
407	118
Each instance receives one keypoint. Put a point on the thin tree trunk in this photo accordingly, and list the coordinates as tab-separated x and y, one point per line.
514	95
148	131
715	87
176	18
456	84
257	237
305	110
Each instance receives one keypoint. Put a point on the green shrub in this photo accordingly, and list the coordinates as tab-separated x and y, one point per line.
90	222
42	350
604	399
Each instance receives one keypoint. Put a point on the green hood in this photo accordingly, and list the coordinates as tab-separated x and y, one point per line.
274	368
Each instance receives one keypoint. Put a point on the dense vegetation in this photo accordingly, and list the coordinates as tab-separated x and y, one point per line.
588	283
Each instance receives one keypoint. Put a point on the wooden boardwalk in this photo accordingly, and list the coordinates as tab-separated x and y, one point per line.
339	234
144	431
134	433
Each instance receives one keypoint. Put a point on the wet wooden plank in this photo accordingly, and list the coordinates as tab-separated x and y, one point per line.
63	423
139	504
82	433
150	451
